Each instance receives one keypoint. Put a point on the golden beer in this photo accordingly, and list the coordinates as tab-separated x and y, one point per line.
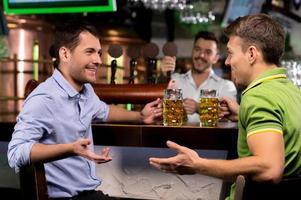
209	111
172	112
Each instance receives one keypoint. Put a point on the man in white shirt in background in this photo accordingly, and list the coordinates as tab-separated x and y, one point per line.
205	54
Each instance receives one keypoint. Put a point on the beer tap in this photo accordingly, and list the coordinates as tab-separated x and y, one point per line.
150	51
114	51
170	49
133	53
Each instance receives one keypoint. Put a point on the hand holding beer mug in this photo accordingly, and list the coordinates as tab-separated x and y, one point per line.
173	107
208	108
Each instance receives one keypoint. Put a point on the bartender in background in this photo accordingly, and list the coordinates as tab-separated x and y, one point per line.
205	54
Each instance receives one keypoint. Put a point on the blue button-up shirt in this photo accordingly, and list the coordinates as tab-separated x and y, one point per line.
55	113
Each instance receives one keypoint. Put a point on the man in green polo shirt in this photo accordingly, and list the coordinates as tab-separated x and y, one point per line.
269	117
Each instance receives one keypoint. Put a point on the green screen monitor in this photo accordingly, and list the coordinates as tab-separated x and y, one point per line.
20	7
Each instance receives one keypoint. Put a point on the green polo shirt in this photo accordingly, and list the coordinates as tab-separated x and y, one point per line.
271	103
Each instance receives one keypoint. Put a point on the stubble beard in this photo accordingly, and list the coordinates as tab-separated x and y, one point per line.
201	70
88	76
205	66
85	78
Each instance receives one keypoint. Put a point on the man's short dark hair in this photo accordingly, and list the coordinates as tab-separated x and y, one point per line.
206	35
263	32
67	34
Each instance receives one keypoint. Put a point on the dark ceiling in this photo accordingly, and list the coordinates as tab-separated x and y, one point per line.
138	23
135	20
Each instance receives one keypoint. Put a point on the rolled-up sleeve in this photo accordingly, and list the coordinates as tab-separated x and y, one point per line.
35	120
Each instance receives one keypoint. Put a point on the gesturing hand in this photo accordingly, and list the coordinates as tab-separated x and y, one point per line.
183	163
81	148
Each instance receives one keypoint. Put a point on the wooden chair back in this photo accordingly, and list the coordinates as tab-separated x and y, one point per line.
33	182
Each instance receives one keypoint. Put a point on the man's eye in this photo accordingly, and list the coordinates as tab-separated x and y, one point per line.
208	52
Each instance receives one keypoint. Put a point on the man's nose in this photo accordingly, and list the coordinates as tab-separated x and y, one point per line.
97	59
202	54
227	63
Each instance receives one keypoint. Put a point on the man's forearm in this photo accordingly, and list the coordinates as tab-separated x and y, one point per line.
251	166
47	153
118	114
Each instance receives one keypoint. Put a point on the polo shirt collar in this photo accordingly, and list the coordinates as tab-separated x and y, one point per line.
67	87
268	75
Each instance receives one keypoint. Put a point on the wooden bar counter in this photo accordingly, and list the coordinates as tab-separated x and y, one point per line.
222	137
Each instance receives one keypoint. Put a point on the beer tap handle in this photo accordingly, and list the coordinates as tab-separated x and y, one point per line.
115	51
113	71
168	75
170	49
151	74
133	64
133	53
150	51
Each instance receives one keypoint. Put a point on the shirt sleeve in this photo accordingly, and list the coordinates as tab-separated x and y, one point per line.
101	108
260	113
35	120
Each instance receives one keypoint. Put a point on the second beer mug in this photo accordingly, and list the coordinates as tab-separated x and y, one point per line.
173	107
208	108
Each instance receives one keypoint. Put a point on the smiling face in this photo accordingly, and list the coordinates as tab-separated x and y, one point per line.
241	70
80	65
204	55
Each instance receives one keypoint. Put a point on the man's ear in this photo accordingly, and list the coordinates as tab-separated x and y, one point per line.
64	54
252	54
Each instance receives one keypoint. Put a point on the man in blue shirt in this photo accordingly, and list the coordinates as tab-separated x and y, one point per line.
54	125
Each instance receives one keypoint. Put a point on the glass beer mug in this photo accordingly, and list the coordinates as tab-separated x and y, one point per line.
208	108
173	109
